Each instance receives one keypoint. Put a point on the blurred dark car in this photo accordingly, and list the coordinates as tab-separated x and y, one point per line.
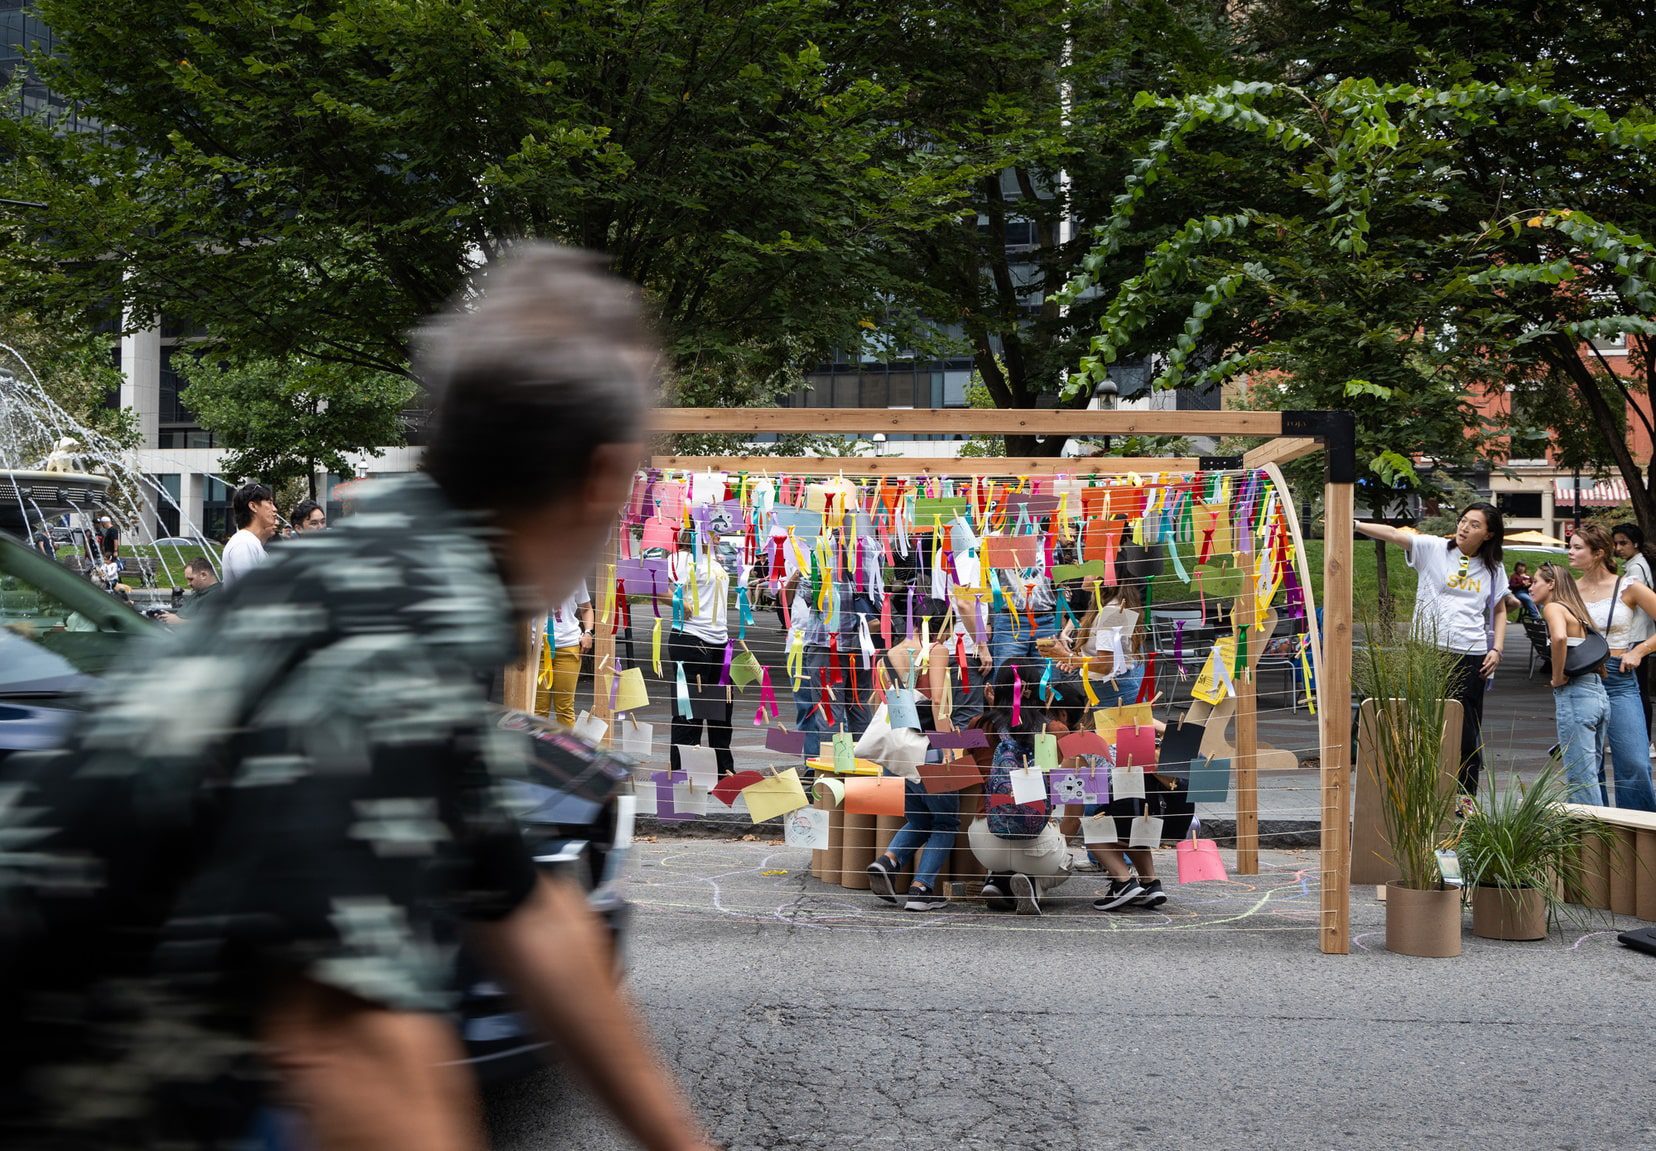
59	632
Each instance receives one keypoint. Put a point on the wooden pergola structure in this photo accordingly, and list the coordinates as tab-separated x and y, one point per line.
1284	436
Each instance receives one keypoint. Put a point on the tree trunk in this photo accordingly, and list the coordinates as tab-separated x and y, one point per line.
1382	574
1641	488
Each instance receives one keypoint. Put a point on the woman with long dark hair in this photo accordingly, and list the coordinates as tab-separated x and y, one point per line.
1621	610
1579	702
1460	596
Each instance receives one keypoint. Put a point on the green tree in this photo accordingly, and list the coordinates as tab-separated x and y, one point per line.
1369	274
306	181
282	421
1034	101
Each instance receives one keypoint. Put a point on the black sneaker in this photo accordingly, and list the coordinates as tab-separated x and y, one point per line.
1121	893
1150	894
919	899
880	874
995	893
1023	891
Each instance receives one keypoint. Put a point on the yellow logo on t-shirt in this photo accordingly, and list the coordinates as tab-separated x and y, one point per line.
1464	582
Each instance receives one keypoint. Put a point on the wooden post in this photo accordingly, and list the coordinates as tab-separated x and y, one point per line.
1334	704
518	690
603	636
1247	734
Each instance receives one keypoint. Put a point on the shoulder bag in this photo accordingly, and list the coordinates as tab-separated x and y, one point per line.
1591	652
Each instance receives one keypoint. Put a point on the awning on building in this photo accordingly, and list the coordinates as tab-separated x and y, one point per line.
1594	493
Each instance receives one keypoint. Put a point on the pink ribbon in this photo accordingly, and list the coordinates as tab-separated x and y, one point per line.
767	699
1017	697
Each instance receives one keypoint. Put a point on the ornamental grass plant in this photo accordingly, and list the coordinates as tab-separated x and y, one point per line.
1522	837
1409	677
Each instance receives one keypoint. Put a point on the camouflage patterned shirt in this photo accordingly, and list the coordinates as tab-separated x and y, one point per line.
304	781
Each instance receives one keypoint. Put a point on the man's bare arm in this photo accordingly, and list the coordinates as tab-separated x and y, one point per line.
365	1078
553	953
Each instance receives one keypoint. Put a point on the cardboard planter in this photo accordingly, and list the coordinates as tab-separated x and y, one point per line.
1425	923
1518	913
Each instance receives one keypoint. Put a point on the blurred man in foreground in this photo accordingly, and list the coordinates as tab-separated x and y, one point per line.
240	888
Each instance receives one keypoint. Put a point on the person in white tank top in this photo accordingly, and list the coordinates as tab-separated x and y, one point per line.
1621	609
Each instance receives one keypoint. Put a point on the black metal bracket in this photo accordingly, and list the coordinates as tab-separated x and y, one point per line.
1219	463
1338	432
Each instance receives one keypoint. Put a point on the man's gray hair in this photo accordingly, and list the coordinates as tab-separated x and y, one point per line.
549	356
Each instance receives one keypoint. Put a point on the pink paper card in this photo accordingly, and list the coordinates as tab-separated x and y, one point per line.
1199	861
1136	747
1083	743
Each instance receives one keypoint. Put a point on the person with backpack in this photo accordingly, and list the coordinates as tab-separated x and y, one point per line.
1018	844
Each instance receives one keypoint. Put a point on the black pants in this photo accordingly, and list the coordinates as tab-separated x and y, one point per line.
1466	685
709	703
1643	674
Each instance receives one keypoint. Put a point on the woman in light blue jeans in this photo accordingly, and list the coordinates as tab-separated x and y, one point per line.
1620	610
1579	701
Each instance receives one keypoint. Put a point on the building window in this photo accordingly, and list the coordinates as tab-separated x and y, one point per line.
1615	345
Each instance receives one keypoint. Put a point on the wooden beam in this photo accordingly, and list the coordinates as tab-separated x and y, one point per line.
518	688
1247	732
928	466
1334	701
966	421
1280	451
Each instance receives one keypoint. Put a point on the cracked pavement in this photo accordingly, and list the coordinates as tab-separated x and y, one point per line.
805	1016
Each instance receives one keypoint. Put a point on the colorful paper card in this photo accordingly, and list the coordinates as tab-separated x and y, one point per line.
807	827
644	791
637	739
777	795
1218	582
806	525
829	792
1012	553
1083	743
1199	862
956	775
1092	569
1181	743
701	764
1211	686
1107	719
1100	828
1136	747
881	795
963	740
943	508
630	692
1079	785
1126	783
858	766
590	728
845	756
744	669
688	799
1210	780
1146	832
731	786
785	742
1046	751
901	710
1028	785
1036	505
666	785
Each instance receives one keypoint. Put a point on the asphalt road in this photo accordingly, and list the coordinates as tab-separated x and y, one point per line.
803	1016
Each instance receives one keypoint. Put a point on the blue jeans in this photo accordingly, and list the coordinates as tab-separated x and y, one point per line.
807	716
1123	689
1583	712
930	823
1528	604
1629	741
1004	645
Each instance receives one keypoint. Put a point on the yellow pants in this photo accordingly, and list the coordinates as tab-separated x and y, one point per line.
566	673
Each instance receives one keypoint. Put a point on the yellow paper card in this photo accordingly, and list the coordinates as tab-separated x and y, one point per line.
1106	720
778	795
1209	688
630	693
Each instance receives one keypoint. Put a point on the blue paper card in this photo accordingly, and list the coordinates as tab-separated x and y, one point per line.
1210	780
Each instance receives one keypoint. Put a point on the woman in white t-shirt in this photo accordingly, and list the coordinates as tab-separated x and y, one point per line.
1621	610
701	588
1629	539
569	630
1460	595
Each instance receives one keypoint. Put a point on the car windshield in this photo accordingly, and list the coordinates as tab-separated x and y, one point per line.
48	638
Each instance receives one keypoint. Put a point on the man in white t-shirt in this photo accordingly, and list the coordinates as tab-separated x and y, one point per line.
569	629
255	511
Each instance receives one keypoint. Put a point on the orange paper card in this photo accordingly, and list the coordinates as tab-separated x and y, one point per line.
880	796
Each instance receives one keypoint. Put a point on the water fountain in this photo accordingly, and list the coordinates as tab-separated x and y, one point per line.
58	473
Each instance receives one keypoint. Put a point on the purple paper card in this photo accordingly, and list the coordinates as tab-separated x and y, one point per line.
636	574
1079	785
786	742
958	740
664	781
